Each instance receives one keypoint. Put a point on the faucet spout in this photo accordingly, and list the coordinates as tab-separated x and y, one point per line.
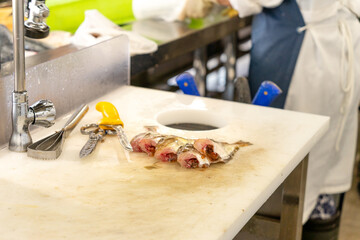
19	45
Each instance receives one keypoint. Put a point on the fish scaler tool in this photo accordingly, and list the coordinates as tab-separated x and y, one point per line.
111	121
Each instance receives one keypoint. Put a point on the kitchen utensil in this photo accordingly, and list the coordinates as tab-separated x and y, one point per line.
266	93
186	83
111	121
51	147
96	134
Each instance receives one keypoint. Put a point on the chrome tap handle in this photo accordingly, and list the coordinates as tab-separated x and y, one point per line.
21	118
36	11
43	113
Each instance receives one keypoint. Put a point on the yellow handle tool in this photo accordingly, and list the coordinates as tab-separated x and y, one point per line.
111	120
110	114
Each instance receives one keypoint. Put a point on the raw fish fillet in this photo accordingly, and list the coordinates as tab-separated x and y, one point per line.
218	151
146	142
189	153
135	142
167	148
189	157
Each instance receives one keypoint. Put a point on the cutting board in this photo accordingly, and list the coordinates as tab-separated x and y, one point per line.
117	195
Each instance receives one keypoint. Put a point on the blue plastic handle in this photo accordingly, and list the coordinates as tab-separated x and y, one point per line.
186	83
266	93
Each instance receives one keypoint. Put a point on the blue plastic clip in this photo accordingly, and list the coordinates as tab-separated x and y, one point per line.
186	83
266	93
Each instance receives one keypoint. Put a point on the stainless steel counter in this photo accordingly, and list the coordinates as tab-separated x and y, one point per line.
177	42
181	45
178	38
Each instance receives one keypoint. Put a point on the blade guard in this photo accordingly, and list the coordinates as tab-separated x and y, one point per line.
110	115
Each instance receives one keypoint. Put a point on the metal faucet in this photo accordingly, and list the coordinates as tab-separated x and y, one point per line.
42	112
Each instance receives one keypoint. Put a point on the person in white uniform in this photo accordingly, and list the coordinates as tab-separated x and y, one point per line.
311	49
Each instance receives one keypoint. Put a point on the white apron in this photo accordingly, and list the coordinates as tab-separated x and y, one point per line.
326	81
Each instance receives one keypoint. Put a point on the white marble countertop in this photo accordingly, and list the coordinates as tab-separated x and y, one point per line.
114	195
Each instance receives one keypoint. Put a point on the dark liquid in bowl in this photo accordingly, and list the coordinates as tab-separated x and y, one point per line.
192	126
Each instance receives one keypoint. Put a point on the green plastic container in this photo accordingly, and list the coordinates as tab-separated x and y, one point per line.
67	15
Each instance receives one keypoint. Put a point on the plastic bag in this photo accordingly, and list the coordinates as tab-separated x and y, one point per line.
168	10
97	28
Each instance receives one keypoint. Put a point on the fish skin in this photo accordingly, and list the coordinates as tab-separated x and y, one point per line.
167	148
149	141
142	141
136	141
189	157
218	151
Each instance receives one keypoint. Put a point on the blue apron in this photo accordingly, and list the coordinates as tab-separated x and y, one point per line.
275	49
